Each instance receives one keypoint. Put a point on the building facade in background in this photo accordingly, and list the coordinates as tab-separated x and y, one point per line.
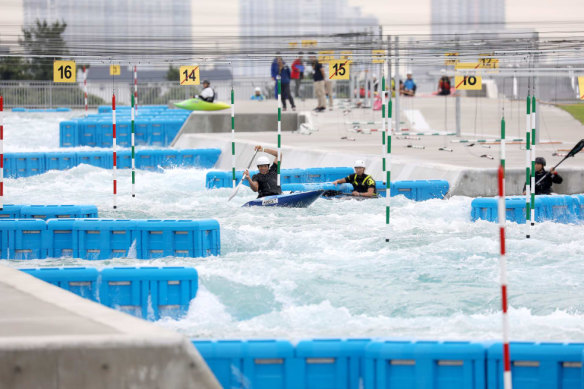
464	16
106	21
270	25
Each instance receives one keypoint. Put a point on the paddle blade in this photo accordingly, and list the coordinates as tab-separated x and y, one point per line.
235	190
331	193
579	146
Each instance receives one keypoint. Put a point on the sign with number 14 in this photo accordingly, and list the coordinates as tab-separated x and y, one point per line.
189	75
339	70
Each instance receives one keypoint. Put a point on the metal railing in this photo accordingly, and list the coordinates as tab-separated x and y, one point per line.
46	94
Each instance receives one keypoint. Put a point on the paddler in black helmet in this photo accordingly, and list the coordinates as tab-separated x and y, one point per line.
363	184
545	186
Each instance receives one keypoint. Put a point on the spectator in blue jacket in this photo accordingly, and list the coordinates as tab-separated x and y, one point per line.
284	73
409	86
274	73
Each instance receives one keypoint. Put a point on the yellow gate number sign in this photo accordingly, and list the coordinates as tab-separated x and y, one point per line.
488	63
451	59
115	70
189	75
325	56
64	71
308	43
468	82
378	56
581	87
339	70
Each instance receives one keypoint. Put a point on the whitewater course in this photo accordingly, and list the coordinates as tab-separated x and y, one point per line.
277	297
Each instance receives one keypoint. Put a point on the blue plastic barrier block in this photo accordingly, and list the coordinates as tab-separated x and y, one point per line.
89	134
579	205
215	180
258	364
79	280
146	161
172	289
68	134
60	238
149	292
142	129
171	127
22	239
104	109
156	135
124	159
179	238
18	109
10	211
28	164
432	189
124	133
167	158
200	158
106	238
431	365
105	133
102	159
58	211
60	161
561	209
331	363
537	365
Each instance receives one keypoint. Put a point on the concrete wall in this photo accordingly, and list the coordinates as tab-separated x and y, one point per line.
472	182
50	338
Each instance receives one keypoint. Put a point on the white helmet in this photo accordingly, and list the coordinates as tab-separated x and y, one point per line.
359	163
258	89
263	161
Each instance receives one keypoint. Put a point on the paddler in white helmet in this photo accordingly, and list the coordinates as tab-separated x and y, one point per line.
363	184
265	182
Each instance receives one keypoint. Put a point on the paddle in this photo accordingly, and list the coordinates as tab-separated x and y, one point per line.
242	178
579	146
332	193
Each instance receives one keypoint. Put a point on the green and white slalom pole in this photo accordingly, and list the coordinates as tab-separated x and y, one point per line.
233	136
279	126
527	166
533	157
133	149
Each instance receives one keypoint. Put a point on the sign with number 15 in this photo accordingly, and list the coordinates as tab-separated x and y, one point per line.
339	70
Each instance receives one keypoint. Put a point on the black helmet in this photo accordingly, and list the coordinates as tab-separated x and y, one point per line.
206	82
540	160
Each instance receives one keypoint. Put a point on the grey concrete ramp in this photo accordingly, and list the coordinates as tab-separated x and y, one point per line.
50	338
470	167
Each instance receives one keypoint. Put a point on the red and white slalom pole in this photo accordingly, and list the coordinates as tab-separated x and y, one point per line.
114	148
1	153
85	88
503	271
136	90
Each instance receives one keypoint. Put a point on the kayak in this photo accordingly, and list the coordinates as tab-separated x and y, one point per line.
292	200
335	194
201	105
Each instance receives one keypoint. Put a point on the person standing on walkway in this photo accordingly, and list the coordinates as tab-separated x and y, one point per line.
318	78
297	73
274	73
328	86
284	73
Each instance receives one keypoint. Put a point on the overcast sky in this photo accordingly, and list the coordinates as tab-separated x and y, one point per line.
396	16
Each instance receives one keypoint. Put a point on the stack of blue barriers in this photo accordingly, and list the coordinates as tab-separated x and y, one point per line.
146	292
154	125
381	364
26	164
302	180
557	208
99	239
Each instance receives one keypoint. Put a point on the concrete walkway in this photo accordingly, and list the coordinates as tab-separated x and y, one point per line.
469	169
50	338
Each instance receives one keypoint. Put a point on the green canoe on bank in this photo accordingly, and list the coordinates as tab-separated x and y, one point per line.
201	105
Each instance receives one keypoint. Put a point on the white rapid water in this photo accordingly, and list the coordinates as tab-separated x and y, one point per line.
326	271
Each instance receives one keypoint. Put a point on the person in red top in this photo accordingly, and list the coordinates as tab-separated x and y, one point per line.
297	73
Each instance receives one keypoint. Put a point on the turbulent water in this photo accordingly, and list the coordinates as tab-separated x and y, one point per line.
326	271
